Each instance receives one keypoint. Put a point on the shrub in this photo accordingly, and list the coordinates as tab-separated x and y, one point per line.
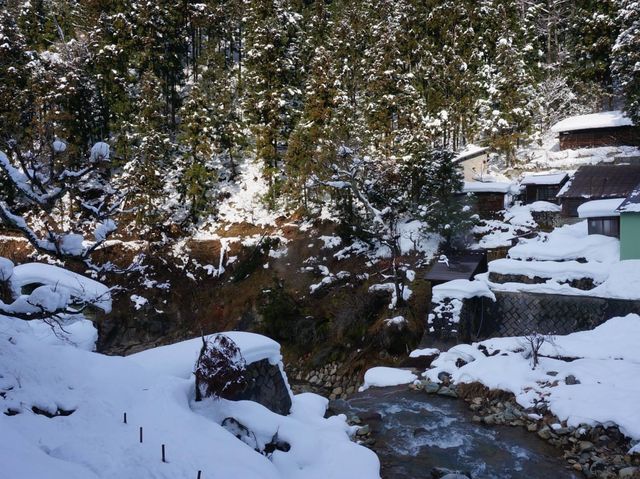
220	369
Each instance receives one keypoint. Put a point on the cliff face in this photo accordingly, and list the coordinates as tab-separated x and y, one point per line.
304	287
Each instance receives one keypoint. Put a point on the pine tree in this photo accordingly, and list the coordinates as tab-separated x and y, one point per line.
626	56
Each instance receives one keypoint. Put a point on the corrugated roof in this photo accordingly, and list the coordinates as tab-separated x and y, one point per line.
602	181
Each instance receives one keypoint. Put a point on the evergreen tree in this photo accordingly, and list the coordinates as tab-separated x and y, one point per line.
626	54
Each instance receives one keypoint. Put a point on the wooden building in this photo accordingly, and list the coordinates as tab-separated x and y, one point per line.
609	128
489	197
473	162
630	225
603	217
463	265
597	182
543	187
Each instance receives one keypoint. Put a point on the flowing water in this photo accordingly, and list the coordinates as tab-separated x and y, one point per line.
416	432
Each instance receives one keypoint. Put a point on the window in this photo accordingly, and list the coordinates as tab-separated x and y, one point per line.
546	193
605	226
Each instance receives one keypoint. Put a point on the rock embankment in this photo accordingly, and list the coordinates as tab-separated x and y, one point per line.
332	380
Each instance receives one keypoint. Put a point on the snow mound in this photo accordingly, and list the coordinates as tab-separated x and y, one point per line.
94	442
382	377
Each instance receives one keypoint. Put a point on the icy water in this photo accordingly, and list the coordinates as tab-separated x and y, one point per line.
416	432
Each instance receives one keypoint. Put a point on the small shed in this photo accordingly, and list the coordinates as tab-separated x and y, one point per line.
597	182
630	225
543	187
490	197
465	265
609	128
473	161
603	217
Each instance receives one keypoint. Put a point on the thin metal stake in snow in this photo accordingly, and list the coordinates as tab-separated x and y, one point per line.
199	474
125	417
163	458
140	434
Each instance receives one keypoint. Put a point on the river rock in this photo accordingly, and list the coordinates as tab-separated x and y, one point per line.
447	391
337	391
570	380
363	430
545	433
431	388
629	473
585	446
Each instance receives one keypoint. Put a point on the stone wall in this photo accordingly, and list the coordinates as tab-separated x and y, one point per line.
519	313
333	380
266	386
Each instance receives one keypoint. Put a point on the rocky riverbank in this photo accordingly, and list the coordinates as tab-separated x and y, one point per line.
595	451
333	380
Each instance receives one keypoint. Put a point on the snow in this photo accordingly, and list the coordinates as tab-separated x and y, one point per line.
470	150
544	179
605	119
461	289
78	286
396	321
93	442
544	206
104	229
330	242
600	208
59	146
416	353
559	271
100	152
569	242
138	301
178	359
6	269
381	376
608	360
72	244
487	187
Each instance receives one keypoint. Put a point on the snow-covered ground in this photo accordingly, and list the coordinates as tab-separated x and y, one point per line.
60	373
606	365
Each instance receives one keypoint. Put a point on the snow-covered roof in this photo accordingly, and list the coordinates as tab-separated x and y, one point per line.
632	203
600	208
461	289
470	151
605	119
544	179
486	187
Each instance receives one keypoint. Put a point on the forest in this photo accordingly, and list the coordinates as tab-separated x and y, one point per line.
335	99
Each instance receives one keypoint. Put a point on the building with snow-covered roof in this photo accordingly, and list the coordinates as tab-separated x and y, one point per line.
609	128
629	212
598	182
489	197
543	187
473	161
603	217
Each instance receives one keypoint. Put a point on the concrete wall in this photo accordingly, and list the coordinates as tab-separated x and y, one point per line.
630	236
518	313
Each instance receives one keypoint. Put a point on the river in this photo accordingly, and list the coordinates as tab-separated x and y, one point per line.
416	432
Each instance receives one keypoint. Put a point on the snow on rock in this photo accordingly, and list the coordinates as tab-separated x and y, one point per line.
558	271
6	269
104	229
93	442
461	289
396	321
138	301
569	242
608	361
178	359
71	243
416	353
330	242
606	119
383	376
78	286
100	152
600	208
59	146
